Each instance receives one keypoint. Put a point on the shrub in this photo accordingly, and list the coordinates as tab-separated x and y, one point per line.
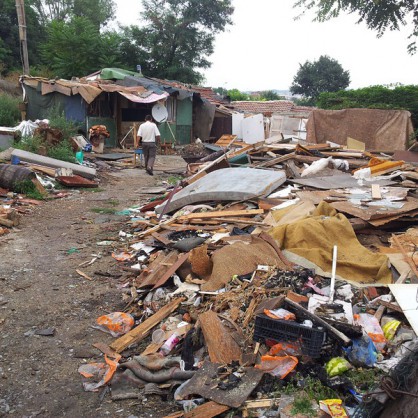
374	97
9	110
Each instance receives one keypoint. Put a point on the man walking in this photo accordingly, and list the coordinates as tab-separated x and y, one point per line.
148	135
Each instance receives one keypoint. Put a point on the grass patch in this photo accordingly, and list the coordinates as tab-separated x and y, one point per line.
9	110
62	151
312	387
107	211
93	190
27	188
303	405
364	379
174	179
112	202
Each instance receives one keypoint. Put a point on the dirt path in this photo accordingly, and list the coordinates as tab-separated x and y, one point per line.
40	289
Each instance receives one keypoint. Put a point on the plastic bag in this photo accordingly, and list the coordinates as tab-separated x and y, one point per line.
362	352
333	407
101	371
277	366
316	166
286	349
337	366
116	323
371	325
280	314
390	328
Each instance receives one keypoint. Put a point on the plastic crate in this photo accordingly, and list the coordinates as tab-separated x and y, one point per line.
278	330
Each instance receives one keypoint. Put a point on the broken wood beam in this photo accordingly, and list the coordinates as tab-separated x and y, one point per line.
141	331
222	348
221	214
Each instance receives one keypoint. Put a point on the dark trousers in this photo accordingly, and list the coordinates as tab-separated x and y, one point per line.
149	150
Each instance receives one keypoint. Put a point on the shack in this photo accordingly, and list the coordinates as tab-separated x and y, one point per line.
118	99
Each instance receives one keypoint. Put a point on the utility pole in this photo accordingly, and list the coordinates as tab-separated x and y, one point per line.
21	19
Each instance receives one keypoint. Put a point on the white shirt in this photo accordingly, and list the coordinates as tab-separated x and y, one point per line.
148	131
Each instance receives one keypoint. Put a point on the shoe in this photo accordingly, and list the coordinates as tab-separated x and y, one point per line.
150	172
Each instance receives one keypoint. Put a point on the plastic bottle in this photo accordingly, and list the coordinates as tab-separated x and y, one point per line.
170	344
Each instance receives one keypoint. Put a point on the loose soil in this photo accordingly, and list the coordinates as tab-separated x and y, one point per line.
39	288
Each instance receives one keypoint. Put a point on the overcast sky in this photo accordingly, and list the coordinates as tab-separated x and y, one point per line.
264	47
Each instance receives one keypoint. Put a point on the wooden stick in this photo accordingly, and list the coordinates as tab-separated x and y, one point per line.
141	331
337	334
222	214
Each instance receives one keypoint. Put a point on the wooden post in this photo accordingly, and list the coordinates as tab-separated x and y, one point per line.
21	19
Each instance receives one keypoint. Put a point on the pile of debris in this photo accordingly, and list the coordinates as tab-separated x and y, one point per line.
248	284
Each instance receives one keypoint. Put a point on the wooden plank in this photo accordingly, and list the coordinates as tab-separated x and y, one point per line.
161	238
376	194
141	331
222	348
207	410
221	214
275	161
158	269
171	270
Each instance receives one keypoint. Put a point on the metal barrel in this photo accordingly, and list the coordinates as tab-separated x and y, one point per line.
12	174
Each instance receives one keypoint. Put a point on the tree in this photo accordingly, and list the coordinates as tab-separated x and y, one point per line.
72	48
269	95
379	15
177	38
99	12
236	96
324	75
10	57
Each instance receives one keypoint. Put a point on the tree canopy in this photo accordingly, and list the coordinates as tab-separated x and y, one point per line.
379	15
324	75
177	37
70	38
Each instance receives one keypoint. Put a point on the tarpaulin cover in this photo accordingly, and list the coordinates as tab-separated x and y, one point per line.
309	242
150	99
386	130
117	73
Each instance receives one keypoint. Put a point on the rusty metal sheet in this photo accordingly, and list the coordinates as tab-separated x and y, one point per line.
205	380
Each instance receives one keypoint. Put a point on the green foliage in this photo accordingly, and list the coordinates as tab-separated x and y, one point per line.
303	405
31	144
376	97
324	75
311	386
177	38
27	188
267	95
379	15
235	95
57	120
62	151
98	12
9	110
72	47
10	57
364	379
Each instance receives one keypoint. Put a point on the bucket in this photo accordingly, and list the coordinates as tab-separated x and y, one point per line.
15	160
